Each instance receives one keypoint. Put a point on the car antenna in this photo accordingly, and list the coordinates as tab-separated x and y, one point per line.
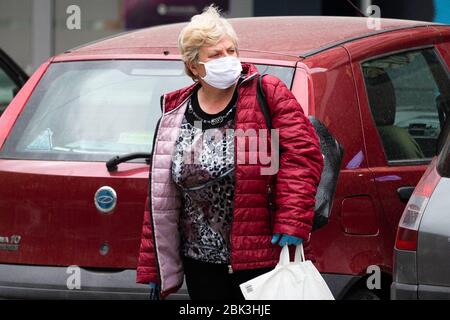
356	8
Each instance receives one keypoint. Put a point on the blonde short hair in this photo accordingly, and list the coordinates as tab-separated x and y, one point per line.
205	29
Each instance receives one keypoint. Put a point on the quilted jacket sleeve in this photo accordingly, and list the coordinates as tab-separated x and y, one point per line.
300	162
146	267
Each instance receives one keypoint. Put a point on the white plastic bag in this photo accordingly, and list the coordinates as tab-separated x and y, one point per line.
298	280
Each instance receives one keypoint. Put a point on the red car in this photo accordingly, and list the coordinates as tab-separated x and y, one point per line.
70	227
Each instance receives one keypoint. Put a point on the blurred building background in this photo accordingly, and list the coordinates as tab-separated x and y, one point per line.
33	30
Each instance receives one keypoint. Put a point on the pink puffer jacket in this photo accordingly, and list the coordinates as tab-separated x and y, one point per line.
300	167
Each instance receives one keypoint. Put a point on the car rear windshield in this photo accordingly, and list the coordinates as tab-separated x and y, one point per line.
91	111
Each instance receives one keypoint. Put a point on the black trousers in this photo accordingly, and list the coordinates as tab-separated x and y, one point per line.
209	281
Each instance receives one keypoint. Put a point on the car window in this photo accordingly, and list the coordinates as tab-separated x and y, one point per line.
7	87
283	73
409	99
90	111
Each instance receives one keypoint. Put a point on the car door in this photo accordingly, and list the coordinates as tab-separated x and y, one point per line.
12	78
402	86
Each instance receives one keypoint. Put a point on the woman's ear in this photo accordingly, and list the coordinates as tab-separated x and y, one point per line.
197	69
193	67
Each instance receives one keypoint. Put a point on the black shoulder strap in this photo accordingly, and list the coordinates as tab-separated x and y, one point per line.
263	103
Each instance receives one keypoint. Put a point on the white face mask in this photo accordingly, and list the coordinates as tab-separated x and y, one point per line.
222	73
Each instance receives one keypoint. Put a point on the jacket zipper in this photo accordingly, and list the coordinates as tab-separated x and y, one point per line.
271	188
230	266
270	203
155	139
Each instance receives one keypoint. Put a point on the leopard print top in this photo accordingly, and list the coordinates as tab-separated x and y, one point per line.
203	169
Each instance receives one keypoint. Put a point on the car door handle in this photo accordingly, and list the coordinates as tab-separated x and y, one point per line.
405	193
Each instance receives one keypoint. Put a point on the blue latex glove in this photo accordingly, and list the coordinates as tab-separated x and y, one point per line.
154	291
284	239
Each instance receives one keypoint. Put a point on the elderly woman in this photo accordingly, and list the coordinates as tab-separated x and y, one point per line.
208	216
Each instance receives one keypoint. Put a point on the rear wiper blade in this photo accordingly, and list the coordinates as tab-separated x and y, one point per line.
112	163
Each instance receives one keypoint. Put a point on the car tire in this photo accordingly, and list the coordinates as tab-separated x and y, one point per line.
362	294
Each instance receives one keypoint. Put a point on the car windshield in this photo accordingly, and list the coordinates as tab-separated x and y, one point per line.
90	111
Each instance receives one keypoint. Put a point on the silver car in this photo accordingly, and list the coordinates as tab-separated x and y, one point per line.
422	249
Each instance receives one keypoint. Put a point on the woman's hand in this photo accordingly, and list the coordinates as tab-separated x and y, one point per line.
154	291
286	239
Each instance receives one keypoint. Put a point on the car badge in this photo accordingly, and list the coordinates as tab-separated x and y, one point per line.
105	199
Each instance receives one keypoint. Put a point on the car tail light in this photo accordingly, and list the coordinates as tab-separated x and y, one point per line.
407	233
